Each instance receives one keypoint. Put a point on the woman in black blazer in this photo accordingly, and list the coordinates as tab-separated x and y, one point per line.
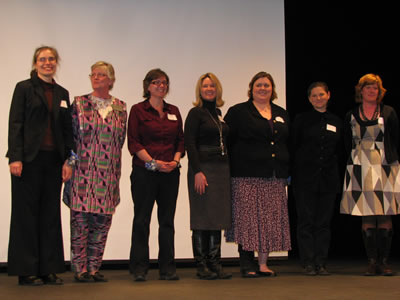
39	146
259	160
316	137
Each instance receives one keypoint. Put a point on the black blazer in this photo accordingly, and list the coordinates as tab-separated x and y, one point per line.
29	119
254	149
317	145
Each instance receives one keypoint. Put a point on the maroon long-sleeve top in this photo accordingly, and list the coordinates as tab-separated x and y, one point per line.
160	137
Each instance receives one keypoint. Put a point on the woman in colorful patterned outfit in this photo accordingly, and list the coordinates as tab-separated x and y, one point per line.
39	143
208	177
372	181
155	140
92	194
259	162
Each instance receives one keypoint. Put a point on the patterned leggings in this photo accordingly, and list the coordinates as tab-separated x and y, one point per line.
88	240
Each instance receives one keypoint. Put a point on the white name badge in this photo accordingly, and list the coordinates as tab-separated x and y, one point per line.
279	119
330	127
64	104
380	121
171	117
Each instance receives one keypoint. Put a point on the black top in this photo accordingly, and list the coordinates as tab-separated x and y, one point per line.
256	149
201	130
391	135
316	143
29	115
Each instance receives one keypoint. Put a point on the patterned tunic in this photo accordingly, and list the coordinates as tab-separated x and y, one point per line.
94	186
371	185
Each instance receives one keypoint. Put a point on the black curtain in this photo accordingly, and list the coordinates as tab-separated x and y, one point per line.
338	42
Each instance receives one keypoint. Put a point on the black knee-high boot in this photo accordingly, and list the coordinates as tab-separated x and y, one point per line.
200	252
384	245
214	255
370	243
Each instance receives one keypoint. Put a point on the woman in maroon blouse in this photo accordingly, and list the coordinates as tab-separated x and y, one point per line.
155	140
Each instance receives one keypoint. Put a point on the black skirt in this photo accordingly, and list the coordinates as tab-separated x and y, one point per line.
212	210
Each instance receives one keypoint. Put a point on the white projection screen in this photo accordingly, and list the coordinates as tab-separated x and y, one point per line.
234	39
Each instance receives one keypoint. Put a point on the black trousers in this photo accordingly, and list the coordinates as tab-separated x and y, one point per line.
148	187
36	246
314	214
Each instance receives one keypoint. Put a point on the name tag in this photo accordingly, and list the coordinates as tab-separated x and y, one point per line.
171	117
279	119
117	107
380	121
63	104
330	127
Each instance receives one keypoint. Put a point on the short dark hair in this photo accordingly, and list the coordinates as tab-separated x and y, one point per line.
317	84
150	76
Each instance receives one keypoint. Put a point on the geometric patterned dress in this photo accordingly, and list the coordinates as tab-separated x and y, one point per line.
371	185
94	186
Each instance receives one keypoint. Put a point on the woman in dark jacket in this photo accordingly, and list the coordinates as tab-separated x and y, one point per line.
259	161
39	145
316	137
208	177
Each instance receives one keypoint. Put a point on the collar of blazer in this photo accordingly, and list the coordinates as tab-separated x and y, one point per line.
39	90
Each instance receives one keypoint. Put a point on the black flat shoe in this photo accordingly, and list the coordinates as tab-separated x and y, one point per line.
52	279
169	276
321	270
29	280
267	274
309	270
250	274
98	277
82	277
140	277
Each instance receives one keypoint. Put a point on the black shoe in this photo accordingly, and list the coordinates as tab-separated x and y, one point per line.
29	280
267	274
321	270
169	276
52	279
139	277
309	270
82	277
249	274
205	274
98	277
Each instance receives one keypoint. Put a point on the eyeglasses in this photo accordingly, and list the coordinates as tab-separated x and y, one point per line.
159	82
99	75
51	59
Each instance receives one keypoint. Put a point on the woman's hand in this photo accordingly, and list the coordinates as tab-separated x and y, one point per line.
200	183
16	168
166	167
66	172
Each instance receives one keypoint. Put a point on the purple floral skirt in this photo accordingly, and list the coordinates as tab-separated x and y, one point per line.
260	220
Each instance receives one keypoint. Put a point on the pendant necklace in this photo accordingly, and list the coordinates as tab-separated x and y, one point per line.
219	126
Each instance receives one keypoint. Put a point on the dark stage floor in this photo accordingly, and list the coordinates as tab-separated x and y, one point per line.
346	282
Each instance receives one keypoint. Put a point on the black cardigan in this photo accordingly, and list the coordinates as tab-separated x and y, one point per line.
316	145
29	119
391	135
256	150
